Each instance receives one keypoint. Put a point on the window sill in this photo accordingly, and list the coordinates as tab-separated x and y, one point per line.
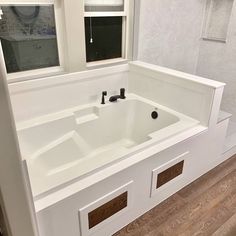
105	63
34	74
205	38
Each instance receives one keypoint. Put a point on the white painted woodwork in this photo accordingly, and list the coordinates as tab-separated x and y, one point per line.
103	2
16	196
50	99
82	140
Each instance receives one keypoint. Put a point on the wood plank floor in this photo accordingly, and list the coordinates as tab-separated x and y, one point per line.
205	207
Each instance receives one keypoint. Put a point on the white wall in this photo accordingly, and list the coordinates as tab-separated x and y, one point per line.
173	39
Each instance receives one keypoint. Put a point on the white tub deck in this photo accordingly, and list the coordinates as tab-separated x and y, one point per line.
64	147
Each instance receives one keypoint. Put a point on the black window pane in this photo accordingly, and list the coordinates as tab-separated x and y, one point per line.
103	38
28	36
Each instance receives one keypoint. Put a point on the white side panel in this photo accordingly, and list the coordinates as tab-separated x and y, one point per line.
16	196
182	92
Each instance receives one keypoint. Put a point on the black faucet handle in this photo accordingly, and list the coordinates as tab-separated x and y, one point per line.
104	93
122	93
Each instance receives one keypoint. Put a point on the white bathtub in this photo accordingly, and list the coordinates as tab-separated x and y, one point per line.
63	147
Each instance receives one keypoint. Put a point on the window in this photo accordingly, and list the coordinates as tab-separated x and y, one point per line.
28	36
106	29
103	38
46	37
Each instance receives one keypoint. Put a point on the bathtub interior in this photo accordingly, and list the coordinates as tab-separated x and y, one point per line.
68	145
128	122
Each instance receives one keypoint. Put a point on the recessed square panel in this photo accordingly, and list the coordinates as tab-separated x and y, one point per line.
106	209
167	175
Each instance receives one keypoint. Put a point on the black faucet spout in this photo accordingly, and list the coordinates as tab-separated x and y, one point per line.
116	97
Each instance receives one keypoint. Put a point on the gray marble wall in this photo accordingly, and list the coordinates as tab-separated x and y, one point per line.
170	35
169	32
218	61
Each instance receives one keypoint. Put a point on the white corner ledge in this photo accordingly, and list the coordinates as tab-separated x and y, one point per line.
223	115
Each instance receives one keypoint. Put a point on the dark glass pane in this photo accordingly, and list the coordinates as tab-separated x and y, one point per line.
28	36
103	38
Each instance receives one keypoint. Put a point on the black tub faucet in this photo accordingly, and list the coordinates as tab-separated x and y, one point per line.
116	97
104	93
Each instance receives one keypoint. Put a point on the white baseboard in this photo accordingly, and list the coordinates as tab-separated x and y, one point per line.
229	153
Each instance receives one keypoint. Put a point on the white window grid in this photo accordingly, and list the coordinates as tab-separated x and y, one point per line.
63	45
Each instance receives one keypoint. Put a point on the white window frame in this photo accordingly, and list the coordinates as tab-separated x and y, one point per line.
127	34
47	71
69	20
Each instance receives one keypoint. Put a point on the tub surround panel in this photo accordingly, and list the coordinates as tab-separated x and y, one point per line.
169	88
61	154
203	156
49	95
174	76
177	90
65	108
173	39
